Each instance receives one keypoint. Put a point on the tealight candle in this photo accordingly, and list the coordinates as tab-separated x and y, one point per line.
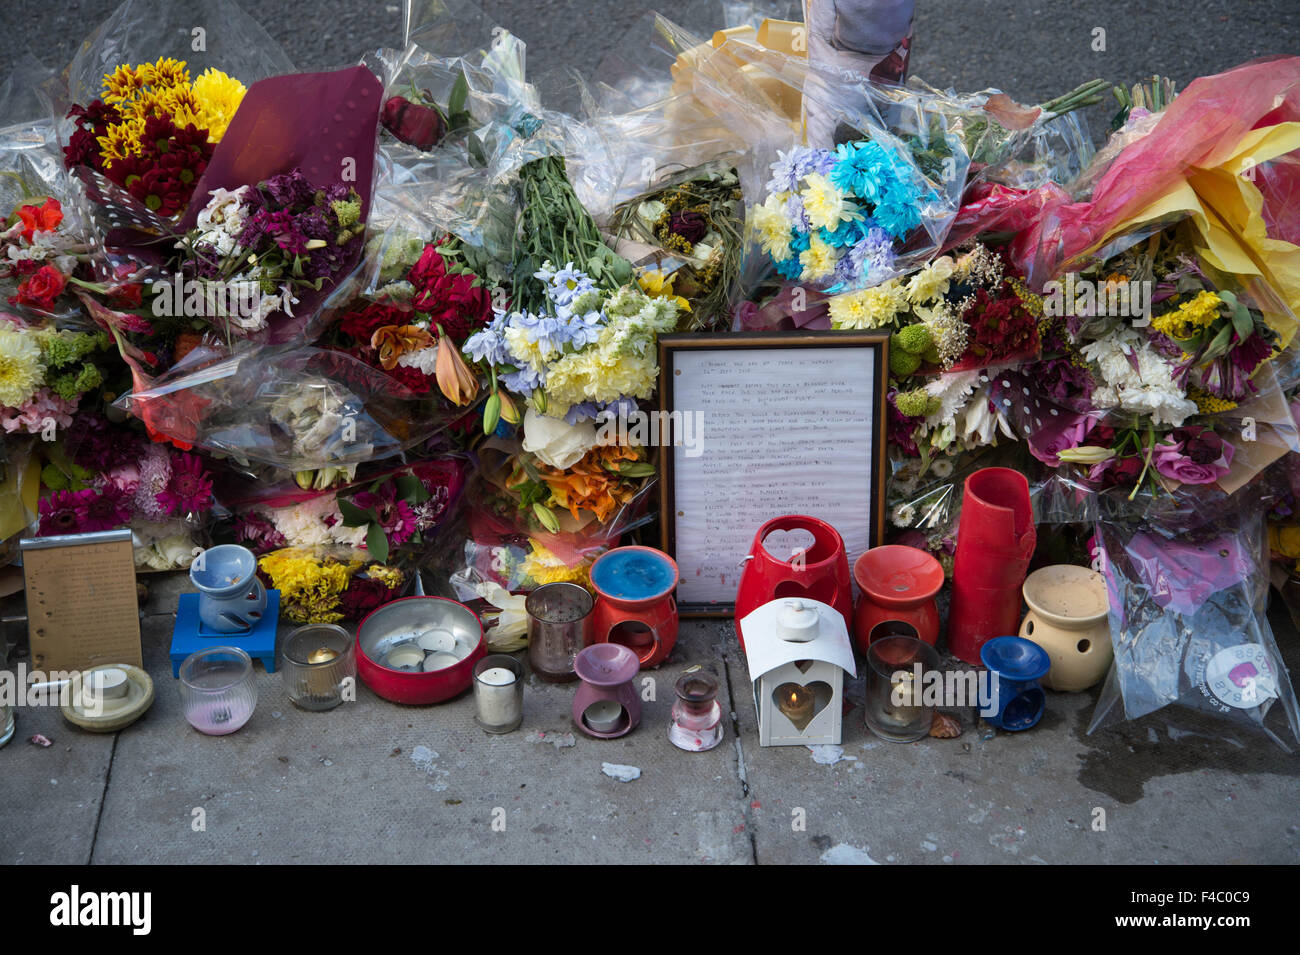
436	641
440	661
603	716
404	656
322	655
108	684
497	676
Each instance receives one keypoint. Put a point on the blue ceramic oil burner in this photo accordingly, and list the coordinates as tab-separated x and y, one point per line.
1016	664
231	597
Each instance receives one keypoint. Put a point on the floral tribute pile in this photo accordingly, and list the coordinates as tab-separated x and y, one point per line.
365	366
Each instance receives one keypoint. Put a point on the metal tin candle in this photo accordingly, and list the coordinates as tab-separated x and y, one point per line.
697	718
499	693
559	626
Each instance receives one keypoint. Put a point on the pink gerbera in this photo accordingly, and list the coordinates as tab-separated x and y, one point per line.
189	490
103	510
59	514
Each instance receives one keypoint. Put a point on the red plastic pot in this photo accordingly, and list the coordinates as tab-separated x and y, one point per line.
407	616
897	583
995	541
820	573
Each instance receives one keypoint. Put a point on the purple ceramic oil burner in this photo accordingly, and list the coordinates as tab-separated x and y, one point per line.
606	704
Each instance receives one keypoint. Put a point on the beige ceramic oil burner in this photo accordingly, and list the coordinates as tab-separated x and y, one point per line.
1068	618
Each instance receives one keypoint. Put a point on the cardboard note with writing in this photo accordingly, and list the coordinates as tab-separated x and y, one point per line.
81	602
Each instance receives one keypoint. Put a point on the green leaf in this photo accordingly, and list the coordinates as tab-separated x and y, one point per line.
408	487
637	469
377	543
354	516
1242	322
459	94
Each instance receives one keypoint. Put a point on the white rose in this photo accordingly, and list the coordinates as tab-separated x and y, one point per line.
555	441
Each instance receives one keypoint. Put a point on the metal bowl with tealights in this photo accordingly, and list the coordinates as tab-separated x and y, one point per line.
420	649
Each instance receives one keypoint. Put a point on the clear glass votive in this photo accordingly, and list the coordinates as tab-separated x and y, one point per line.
318	662
896	669
499	693
218	692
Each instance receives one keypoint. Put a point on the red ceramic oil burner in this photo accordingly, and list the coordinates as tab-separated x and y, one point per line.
995	541
897	583
634	602
607	704
821	572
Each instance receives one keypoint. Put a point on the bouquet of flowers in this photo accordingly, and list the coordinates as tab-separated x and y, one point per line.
427	305
44	372
690	230
836	219
327	588
252	247
153	129
102	476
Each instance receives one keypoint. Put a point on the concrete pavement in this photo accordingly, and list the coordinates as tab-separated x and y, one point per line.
376	782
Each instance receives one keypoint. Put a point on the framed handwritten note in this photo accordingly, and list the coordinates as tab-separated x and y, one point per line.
764	425
81	602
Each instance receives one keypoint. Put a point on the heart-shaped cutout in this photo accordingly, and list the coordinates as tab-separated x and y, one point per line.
800	703
804	665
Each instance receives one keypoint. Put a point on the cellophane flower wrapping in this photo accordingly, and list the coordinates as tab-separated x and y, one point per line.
1188	583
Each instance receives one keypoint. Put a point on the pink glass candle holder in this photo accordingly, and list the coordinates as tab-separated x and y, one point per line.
697	718
218	692
606	704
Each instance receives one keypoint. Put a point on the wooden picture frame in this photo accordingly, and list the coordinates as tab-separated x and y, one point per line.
787	380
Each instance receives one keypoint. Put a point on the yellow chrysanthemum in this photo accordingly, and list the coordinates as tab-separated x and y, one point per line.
818	260
825	204
21	371
931	282
1189	316
165	72
122	85
218	98
309	588
772	227
121	140
148	103
182	105
868	308
660	285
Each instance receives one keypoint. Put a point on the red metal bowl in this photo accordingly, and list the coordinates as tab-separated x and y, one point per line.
402	620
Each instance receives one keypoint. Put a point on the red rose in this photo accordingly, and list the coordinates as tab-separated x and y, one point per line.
429	270
418	126
43	218
41	289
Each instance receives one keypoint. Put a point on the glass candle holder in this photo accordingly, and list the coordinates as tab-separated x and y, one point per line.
499	693
696	718
218	692
6	723
896	669
318	662
559	627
